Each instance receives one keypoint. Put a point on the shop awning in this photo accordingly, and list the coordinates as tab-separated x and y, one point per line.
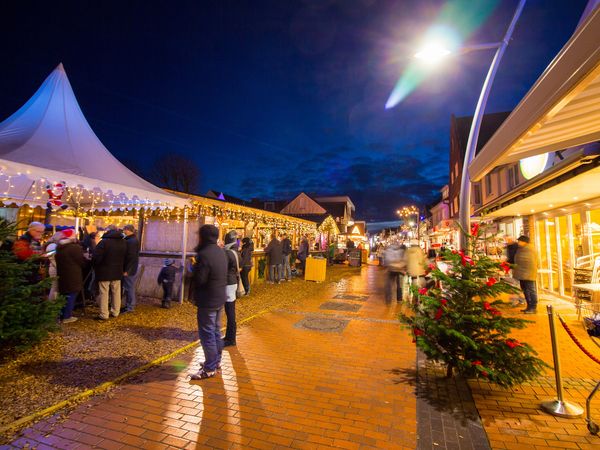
561	110
49	140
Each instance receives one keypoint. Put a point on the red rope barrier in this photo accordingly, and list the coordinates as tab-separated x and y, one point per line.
581	347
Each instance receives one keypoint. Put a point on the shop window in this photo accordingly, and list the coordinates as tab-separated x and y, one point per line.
477	194
488	184
511	175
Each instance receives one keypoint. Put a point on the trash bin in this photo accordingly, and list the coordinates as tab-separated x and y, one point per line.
354	258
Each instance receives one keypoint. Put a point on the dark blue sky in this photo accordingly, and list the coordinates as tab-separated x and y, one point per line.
276	96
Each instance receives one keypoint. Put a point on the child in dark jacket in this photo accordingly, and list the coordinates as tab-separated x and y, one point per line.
166	278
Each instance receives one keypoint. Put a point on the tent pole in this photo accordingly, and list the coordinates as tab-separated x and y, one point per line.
183	254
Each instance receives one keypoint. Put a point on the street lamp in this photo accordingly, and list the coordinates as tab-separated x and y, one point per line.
434	52
406	212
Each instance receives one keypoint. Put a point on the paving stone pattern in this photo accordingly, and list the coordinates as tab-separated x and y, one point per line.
339	306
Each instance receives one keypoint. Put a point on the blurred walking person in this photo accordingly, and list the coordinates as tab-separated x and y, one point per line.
415	260
393	258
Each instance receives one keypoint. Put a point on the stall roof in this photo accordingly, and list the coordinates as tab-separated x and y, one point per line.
48	138
561	110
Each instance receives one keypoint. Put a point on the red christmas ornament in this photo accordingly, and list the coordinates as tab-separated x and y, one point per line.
423	291
487	306
496	312
432	266
476	363
513	343
491	281
504	265
444	302
474	229
438	314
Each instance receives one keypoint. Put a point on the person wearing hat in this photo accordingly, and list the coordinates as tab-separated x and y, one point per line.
132	259
210	295
69	268
166	278
525	271
233	278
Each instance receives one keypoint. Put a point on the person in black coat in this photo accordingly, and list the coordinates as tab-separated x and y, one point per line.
233	277
303	251
246	263
210	282
69	269
166	278
131	268
275	253
109	262
286	249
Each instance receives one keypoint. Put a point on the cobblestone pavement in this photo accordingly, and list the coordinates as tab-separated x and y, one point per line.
332	372
311	376
513	418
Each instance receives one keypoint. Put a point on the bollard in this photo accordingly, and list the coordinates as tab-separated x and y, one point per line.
559	407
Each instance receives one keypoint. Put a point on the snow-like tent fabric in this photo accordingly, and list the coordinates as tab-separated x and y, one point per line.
48	138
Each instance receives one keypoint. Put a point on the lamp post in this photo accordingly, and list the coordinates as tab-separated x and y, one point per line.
436	51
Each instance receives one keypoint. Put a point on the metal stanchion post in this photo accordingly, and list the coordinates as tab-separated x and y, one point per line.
559	407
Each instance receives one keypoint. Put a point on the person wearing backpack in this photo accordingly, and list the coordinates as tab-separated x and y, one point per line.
233	278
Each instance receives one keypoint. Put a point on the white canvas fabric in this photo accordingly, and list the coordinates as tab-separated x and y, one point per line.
48	138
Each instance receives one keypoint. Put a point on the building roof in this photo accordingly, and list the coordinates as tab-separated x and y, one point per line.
226	197
335	209
49	139
491	122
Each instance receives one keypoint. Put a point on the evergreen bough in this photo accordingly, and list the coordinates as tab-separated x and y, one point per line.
461	325
26	314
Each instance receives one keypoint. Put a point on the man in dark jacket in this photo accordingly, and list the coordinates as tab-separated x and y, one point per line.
109	265
286	249
303	251
275	253
131	268
210	281
246	263
69	268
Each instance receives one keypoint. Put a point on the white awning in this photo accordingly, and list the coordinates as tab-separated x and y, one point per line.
561	110
49	140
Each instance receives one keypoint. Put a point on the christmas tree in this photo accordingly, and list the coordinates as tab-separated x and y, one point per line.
26	314
460	322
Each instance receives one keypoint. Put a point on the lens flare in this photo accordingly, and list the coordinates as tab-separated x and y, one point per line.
440	41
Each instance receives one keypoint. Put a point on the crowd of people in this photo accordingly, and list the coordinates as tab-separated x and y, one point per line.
114	260
405	264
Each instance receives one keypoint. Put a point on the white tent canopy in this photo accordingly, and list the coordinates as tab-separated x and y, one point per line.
49	140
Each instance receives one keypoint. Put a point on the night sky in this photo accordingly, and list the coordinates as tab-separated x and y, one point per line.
273	97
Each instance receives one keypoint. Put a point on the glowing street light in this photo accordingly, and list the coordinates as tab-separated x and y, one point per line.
434	52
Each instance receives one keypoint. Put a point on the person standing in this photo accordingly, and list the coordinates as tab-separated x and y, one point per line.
233	278
131	269
415	260
210	294
303	251
109	265
286	250
29	244
511	250
246	262
525	271
69	268
275	253
166	278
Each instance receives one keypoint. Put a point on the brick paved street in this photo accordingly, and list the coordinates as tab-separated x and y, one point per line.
286	385
332	372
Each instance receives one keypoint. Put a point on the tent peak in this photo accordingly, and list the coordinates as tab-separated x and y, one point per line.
60	68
